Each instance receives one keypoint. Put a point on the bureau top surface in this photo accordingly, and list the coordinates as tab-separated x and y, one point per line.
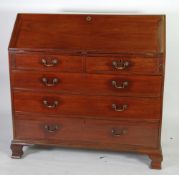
89	33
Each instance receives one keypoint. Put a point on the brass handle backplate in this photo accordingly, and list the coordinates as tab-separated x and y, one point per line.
119	108
50	105
51	128
121	85
48	82
118	131
120	65
53	62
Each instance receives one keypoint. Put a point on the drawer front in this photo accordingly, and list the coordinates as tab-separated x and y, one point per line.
61	63
88	83
122	132
102	132
123	65
100	106
48	129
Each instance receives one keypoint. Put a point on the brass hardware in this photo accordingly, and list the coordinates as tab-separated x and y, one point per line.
118	131
54	81
120	85
51	128
119	108
120	65
88	18
50	106
53	62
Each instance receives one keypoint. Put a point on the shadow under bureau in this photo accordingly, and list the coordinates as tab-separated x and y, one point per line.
88	81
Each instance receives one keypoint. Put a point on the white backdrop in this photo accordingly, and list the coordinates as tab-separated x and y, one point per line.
170	129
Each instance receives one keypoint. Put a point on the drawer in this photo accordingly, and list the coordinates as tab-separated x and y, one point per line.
94	84
48	129
88	106
61	63
123	65
104	132
127	133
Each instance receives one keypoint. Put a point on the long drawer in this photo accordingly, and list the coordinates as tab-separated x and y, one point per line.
100	106
90	131
88	83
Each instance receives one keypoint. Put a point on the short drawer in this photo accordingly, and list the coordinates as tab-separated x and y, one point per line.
92	106
124	64
81	131
48	129
90	84
118	132
61	63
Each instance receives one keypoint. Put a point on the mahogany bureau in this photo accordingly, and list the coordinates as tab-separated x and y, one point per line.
88	81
